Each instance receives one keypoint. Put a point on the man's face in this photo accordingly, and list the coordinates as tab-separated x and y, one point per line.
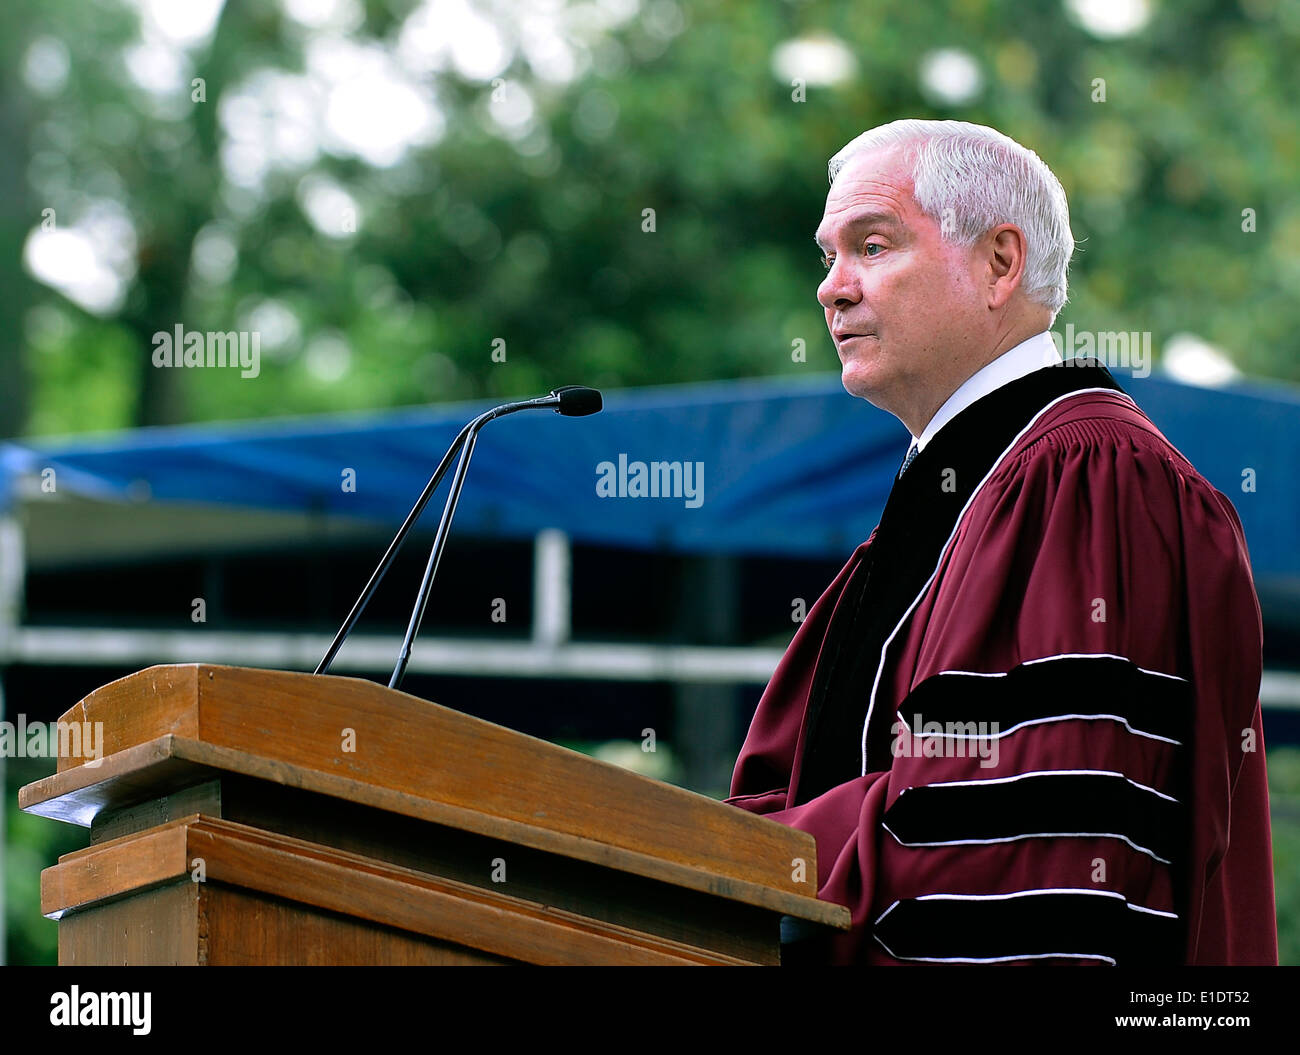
902	305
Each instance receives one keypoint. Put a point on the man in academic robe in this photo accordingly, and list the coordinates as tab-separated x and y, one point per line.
1023	722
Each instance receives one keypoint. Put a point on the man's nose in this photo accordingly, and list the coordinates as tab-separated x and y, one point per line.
839	288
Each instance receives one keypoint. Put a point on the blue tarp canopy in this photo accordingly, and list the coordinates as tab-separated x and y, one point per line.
793	467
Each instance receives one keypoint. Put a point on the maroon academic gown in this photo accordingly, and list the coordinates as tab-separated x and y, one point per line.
1083	616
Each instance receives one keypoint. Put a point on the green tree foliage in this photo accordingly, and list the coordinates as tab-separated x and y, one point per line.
539	240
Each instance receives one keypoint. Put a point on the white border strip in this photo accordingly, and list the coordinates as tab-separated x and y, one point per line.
1031	835
1096	655
1037	773
1045	721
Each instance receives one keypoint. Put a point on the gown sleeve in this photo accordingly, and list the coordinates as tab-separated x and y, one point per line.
761	780
1077	765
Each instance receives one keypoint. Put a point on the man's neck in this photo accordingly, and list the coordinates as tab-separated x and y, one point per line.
1032	352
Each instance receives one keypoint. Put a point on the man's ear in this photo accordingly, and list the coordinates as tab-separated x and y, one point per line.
1006	257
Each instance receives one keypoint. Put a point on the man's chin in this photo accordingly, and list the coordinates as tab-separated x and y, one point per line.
861	380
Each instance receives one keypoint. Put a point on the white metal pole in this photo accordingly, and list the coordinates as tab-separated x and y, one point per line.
11	599
552	588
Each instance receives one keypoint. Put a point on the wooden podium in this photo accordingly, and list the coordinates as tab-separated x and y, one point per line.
245	816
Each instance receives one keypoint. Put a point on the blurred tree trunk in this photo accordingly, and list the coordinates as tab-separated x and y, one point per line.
17	217
158	301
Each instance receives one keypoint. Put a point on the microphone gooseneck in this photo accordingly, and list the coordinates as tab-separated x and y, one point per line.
570	400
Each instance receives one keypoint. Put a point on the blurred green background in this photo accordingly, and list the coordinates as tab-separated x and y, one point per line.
387	189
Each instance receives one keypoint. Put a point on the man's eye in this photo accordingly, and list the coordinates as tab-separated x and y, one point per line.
829	261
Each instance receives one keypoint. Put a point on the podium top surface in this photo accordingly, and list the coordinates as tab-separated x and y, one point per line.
353	739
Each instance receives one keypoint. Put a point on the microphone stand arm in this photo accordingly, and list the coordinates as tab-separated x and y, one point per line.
435	556
464	443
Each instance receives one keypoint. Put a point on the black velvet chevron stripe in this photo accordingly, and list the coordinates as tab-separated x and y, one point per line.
1045	689
1046	804
1071	923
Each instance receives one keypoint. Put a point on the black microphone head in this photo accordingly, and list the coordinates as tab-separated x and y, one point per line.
577	401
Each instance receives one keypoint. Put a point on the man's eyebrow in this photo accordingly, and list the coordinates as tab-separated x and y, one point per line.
866	218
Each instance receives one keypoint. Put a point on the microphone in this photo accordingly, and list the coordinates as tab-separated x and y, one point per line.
569	400
576	401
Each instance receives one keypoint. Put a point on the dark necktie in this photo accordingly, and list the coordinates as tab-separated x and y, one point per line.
911	453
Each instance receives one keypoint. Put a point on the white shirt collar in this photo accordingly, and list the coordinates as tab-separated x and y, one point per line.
1026	357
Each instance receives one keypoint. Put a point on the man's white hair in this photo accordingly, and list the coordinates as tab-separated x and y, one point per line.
985	178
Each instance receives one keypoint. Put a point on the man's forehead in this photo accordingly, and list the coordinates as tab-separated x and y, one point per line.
886	164
873	187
